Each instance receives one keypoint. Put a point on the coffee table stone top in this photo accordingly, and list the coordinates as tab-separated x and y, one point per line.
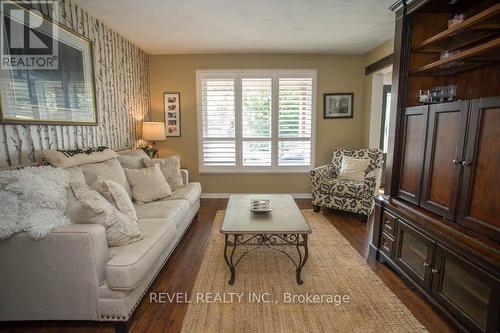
284	218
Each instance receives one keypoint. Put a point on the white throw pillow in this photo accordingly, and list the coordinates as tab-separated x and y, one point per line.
134	152
148	184
171	169
131	161
95	209
353	168
107	170
116	194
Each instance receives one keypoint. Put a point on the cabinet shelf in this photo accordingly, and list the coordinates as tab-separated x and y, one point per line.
480	26
480	55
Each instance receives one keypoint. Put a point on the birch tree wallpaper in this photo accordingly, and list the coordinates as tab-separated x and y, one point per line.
121	72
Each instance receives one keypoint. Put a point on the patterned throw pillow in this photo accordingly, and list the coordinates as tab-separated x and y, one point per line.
75	157
148	184
171	169
95	209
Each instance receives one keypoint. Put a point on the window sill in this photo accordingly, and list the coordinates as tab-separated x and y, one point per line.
257	171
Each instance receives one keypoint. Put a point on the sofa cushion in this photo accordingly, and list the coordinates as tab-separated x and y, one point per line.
130	263
191	192
107	170
174	210
343	187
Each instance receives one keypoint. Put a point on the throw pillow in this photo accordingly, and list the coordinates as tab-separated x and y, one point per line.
353	168
134	152
107	170
75	157
171	169
131	161
116	194
148	184
120	228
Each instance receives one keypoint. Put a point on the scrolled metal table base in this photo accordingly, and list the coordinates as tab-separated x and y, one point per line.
271	241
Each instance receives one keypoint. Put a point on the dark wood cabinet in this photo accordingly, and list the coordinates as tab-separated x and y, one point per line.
466	291
438	222
414	254
460	275
479	207
443	157
414	129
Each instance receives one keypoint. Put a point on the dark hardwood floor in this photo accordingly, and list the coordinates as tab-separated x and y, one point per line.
180	272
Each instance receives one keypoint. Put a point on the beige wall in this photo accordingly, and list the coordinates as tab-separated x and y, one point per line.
336	73
370	57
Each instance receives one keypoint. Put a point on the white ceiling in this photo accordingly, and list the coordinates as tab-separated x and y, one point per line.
248	26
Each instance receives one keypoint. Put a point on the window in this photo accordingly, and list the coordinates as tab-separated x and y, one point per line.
256	121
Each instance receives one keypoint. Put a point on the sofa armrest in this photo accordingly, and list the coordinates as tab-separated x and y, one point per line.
54	278
185	176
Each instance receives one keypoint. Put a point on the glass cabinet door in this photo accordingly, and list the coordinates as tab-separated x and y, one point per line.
414	253
463	289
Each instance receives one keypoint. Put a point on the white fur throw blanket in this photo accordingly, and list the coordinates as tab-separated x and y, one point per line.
32	200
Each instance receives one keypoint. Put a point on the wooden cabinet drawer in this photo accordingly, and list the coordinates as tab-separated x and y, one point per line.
389	223
387	244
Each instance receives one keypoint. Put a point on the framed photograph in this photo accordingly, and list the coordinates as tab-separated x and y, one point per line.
46	78
338	105
172	102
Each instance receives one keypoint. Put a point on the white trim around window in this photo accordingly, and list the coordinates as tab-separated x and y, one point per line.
221	145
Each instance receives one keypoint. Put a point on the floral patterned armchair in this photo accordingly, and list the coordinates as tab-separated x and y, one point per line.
347	194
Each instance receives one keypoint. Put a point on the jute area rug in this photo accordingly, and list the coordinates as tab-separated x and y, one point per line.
350	296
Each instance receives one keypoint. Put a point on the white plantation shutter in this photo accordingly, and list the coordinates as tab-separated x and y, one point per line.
256	102
255	120
218	122
295	121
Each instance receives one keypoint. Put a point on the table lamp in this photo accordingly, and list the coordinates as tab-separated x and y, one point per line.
152	131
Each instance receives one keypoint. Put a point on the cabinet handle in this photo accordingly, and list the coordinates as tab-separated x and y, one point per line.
426	264
467	164
434	270
457	162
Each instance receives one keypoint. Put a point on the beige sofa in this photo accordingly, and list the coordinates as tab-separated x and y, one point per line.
72	274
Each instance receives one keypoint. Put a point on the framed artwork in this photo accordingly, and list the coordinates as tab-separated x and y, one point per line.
50	84
172	102
338	105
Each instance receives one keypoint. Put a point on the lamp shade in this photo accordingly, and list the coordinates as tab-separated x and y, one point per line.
153	130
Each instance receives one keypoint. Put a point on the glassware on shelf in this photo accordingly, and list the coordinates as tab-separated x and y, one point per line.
451	92
438	94
456	19
424	96
446	54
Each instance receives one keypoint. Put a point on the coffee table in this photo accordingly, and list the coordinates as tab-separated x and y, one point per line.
283	227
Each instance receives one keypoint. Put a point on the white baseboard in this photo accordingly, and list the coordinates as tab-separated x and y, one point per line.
226	195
